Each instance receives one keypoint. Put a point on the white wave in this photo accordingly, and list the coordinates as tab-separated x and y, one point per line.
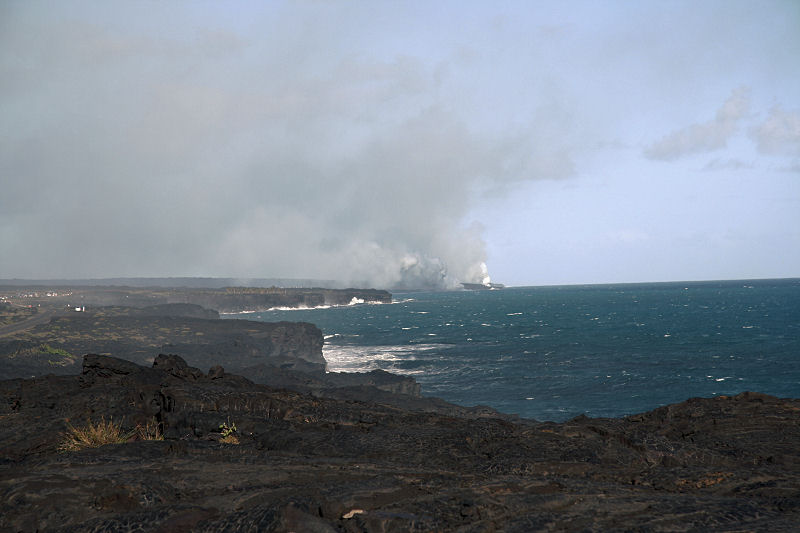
349	358
299	308
353	301
279	308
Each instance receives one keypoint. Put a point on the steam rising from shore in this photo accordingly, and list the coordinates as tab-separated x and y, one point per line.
269	153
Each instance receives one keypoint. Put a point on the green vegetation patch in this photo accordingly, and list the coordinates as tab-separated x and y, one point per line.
47	349
57	356
229	432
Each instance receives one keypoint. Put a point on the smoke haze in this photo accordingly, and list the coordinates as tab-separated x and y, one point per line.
279	152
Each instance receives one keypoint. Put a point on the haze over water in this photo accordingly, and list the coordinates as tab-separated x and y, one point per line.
552	353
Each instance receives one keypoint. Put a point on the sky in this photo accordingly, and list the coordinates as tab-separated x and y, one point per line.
401	144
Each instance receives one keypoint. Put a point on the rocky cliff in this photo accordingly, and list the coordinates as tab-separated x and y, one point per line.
139	336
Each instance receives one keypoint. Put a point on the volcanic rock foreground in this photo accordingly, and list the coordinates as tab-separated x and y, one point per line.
318	464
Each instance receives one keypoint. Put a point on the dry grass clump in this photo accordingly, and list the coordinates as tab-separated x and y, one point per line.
94	435
151	430
230	439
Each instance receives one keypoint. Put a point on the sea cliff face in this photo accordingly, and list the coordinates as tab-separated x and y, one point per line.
54	347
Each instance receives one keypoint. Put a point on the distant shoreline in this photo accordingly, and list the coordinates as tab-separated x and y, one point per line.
299	283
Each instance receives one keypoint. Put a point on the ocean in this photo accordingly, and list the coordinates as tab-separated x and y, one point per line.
552	353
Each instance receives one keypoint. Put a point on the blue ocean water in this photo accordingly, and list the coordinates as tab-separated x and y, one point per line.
551	353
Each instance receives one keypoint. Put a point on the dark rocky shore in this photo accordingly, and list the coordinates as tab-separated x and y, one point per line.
314	462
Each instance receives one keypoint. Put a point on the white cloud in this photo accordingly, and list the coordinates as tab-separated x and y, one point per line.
779	134
726	164
704	136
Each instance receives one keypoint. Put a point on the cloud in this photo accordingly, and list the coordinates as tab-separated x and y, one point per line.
793	167
705	136
627	236
779	134
726	164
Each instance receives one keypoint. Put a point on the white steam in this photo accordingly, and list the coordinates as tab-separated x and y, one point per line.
137	145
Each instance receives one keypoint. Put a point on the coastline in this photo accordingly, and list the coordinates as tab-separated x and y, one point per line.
327	451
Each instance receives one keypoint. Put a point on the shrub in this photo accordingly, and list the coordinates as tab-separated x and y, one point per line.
228	431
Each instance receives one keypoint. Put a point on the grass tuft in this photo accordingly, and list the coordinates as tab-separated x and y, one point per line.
151	430
93	435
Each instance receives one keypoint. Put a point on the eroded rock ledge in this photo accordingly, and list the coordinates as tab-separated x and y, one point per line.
310	463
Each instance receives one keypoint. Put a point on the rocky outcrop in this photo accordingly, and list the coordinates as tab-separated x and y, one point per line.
320	381
380	379
308	463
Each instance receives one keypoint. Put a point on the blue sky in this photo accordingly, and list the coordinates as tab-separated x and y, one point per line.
401	143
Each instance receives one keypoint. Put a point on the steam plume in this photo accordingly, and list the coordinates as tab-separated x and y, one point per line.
218	154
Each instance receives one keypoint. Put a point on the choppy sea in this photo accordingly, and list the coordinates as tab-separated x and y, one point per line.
552	353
